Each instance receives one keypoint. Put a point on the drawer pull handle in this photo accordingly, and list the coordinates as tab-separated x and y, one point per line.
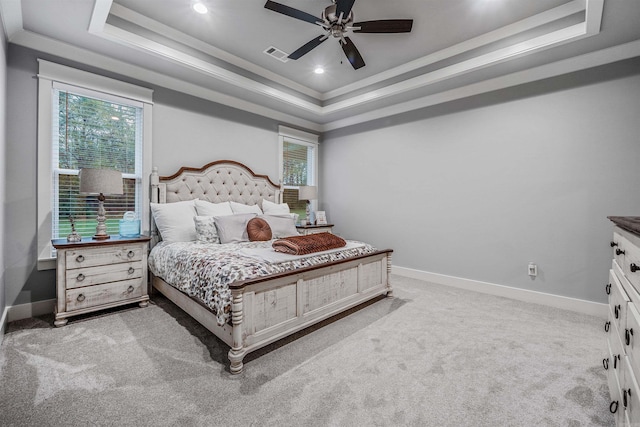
80	298
607	288
131	270
130	254
615	361
79	258
616	311
607	326
624	397
628	333
620	252
633	267
613	409
130	289
80	277
605	363
613	244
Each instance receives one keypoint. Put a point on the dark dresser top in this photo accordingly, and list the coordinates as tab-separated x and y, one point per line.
629	223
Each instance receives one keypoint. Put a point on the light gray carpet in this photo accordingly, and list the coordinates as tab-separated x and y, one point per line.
430	356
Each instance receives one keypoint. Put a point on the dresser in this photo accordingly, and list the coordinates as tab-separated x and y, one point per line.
97	274
622	361
313	229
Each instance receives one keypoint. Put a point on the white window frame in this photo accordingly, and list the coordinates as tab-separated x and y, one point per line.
302	138
49	75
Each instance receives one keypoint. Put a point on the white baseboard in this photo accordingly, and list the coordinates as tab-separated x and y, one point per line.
24	311
557	301
3	323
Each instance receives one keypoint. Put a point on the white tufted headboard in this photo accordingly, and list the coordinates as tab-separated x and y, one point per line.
219	181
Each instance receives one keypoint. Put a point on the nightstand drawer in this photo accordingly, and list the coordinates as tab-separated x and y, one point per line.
89	257
90	296
103	274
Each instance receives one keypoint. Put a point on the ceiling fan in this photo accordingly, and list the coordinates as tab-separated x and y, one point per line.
337	19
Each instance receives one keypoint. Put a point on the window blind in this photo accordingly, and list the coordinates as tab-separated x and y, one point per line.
91	131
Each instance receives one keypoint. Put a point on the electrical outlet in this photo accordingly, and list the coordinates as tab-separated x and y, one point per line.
533	269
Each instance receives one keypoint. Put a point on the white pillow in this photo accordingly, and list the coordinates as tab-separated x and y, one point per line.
206	230
175	220
281	226
205	208
270	208
233	228
239	208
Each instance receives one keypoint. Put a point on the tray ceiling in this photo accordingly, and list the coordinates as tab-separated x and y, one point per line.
456	48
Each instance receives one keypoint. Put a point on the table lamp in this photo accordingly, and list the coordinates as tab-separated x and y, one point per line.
308	193
100	182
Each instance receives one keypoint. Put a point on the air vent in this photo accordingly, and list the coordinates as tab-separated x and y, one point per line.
277	54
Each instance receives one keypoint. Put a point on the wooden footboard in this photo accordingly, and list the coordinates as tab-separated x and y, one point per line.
267	309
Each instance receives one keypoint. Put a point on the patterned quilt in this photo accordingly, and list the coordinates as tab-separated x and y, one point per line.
205	270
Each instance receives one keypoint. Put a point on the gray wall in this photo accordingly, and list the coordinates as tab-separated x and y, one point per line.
3	176
186	131
479	188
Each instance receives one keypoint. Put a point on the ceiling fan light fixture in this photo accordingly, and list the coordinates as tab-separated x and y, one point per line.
200	8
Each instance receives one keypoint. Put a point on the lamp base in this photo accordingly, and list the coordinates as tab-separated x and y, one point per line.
101	237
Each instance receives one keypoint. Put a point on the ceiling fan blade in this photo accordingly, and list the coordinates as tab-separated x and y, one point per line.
292	12
308	47
352	54
344	6
384	26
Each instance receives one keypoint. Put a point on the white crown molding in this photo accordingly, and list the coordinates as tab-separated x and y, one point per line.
566	303
67	51
11	15
577	63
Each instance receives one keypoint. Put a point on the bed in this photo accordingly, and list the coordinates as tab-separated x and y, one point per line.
285	296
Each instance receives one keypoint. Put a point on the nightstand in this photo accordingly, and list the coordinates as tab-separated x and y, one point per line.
312	229
97	274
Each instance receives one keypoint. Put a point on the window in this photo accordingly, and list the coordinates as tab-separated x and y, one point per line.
299	166
88	121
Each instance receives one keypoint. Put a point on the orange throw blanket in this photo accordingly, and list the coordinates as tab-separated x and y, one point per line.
302	245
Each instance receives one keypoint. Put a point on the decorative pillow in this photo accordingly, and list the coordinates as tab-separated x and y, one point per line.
281	225
270	208
233	228
205	208
175	220
258	230
239	208
206	230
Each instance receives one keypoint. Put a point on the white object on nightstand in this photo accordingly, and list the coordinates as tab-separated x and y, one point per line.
93	275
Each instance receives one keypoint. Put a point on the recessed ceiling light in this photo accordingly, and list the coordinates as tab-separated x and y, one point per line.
200	8
319	70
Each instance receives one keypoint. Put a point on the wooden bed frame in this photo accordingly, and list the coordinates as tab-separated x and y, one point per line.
269	308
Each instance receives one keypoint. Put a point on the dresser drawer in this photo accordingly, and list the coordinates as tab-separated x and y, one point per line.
631	265
615	361
620	247
89	257
630	395
90	296
88	276
630	340
618	302
615	386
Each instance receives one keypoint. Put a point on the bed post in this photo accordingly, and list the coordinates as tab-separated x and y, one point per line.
390	289
154	181
237	352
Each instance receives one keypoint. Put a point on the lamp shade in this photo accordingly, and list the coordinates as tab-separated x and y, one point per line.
308	192
100	181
